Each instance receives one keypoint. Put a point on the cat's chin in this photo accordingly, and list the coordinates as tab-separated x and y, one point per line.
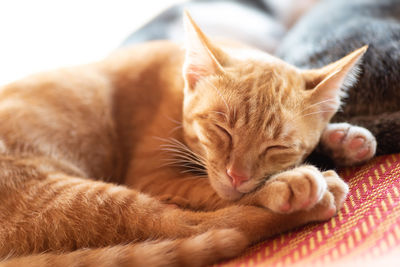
227	192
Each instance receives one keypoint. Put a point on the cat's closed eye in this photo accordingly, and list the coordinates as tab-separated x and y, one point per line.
274	148
223	130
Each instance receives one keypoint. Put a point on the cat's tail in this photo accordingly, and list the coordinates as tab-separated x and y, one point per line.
200	250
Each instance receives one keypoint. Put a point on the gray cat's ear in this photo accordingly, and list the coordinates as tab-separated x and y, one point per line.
202	58
328	84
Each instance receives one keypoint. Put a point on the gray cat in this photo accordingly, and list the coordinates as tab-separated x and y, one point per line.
251	21
260	23
334	28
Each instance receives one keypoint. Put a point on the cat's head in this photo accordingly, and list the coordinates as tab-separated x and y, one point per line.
250	115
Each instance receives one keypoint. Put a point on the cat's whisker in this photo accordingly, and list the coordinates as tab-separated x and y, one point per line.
188	165
186	148
319	103
319	112
194	169
194	177
177	154
181	150
183	162
182	156
173	164
175	129
173	120
162	139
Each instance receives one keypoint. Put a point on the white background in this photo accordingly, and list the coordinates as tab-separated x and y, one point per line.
37	35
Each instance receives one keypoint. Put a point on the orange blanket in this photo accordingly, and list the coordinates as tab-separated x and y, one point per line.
365	232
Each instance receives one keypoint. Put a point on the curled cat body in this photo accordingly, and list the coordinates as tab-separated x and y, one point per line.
171	126
331	30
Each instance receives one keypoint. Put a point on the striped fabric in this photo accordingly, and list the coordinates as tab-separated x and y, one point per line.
366	231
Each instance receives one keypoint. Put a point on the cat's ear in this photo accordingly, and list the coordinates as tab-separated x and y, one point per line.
202	57
328	84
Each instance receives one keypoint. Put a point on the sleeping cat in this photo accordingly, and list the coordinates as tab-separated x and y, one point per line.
263	24
149	117
334	28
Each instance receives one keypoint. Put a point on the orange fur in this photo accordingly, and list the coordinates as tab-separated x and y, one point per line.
133	119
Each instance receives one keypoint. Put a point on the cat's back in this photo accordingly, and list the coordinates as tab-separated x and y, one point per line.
153	54
149	69
333	29
115	97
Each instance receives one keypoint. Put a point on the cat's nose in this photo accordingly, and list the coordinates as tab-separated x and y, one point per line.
237	178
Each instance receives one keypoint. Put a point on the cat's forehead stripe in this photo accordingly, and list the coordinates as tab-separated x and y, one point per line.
232	118
247	111
277	130
259	108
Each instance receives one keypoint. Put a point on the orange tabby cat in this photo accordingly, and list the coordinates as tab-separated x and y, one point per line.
245	116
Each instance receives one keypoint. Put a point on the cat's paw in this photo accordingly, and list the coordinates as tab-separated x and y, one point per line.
347	144
294	190
337	187
332	200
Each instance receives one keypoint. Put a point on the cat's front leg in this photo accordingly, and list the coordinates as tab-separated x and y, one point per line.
300	189
347	144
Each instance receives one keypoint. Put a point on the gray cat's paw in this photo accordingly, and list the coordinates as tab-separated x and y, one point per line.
347	144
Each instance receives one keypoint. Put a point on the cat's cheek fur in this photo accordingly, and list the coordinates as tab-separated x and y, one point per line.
195	139
219	181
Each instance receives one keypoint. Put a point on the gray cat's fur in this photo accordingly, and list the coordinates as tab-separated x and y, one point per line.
260	29
334	28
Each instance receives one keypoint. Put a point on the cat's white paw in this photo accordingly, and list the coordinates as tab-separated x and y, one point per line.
332	200
294	190
348	144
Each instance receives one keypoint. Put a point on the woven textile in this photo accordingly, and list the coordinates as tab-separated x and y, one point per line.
365	232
